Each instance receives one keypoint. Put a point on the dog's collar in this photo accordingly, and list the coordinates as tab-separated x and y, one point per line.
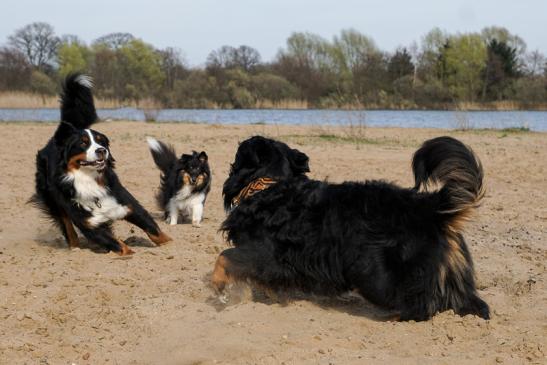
255	186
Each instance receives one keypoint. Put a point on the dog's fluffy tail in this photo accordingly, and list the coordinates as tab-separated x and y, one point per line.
164	155
448	167
77	106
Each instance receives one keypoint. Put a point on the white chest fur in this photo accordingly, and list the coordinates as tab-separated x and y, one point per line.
188	203
185	198
95	198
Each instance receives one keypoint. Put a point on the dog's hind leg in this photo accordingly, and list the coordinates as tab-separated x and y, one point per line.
476	306
69	231
62	220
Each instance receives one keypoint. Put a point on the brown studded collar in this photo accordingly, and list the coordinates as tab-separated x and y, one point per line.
255	186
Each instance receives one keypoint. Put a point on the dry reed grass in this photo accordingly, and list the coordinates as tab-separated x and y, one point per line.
23	100
283	104
506	105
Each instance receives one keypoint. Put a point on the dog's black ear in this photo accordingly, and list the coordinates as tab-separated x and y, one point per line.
185	158
251	151
111	159
63	132
299	161
203	157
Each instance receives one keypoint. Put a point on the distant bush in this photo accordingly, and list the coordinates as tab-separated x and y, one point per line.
272	87
195	91
531	90
42	85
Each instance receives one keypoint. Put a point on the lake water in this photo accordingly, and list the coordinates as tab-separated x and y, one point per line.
535	120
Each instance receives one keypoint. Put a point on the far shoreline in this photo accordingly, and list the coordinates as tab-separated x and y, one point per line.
22	100
527	108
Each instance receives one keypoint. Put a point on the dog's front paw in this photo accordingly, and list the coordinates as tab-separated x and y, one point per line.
172	220
223	296
124	249
228	290
159	239
220	278
196	224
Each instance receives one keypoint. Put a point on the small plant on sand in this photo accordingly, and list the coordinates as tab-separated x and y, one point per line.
355	127
151	114
462	120
522	129
513	130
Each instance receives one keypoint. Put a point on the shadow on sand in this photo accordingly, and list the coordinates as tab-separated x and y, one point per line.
349	303
52	238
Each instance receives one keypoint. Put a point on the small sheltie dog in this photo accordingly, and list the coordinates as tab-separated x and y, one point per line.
75	180
184	182
400	248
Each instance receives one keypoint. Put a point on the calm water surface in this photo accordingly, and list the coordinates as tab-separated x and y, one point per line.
535	120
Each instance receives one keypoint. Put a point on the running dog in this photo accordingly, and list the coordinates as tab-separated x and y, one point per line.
75	180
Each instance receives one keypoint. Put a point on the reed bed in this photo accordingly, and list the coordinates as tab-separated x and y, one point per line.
23	100
282	104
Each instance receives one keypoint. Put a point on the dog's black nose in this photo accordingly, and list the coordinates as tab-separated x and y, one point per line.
101	151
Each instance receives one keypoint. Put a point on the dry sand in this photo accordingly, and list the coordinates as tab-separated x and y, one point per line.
62	306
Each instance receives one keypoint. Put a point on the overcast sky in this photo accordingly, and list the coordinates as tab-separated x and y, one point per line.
199	26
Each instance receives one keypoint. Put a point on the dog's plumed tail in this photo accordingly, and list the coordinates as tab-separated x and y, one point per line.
450	171
448	167
77	106
164	155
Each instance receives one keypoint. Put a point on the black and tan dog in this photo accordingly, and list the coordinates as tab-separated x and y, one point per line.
400	248
75	180
184	182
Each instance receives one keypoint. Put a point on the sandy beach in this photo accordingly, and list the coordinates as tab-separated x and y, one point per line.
62	306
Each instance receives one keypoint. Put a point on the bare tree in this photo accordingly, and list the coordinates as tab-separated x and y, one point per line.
114	40
246	57
38	42
15	71
172	65
534	63
71	39
221	58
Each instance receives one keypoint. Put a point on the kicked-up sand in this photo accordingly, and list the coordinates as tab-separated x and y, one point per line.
62	306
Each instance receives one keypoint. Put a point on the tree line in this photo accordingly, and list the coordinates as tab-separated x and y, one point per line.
350	71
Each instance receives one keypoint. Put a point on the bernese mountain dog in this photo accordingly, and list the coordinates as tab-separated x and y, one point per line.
400	248
75	180
184	182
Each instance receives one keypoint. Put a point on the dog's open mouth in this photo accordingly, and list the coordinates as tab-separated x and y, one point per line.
99	164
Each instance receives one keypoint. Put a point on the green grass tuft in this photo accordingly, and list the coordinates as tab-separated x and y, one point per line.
516	130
